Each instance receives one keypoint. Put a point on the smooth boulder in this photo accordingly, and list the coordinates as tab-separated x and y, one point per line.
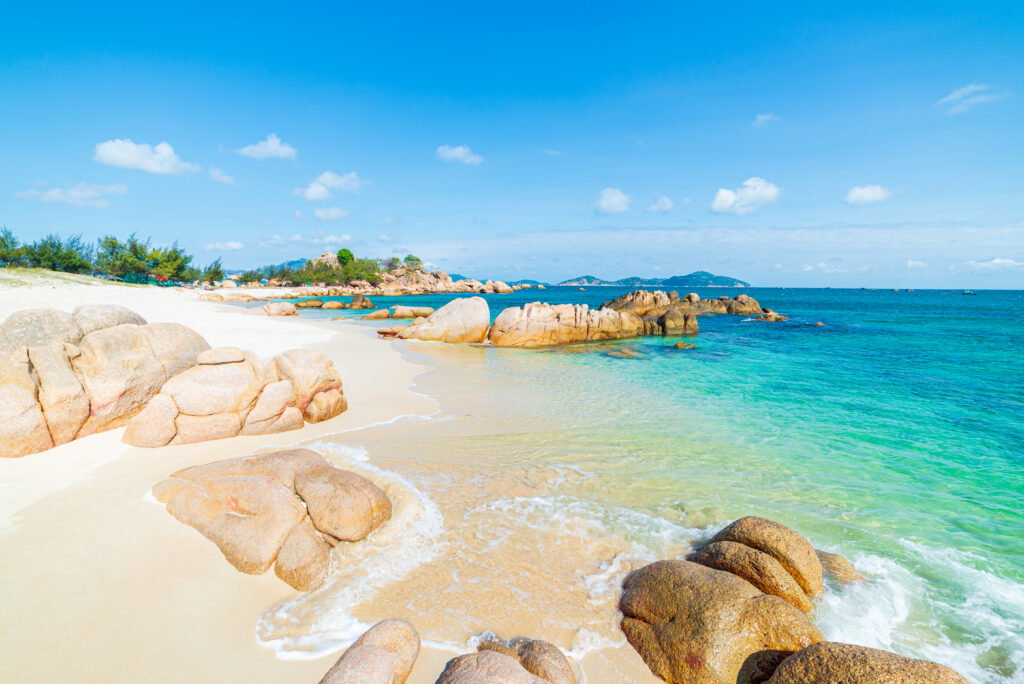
537	657
757	567
93	317
487	667
461	320
696	625
785	545
541	325
848	664
389	646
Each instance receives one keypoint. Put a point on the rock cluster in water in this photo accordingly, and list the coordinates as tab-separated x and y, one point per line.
232	392
735	613
285	508
65	376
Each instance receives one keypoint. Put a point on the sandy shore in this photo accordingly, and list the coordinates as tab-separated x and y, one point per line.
99	583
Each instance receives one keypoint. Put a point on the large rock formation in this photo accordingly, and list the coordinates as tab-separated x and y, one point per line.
697	625
411	312
537	657
460	320
384	654
72	375
792	551
231	392
541	325
849	664
487	667
285	506
647	303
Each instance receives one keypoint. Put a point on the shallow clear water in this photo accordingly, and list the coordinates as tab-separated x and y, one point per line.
894	434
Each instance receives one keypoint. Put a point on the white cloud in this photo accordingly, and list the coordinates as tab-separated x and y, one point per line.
322	240
763	119
128	155
229	246
867	194
81	195
661	205
320	189
755	193
221	177
967	97
460	153
994	265
330	213
271	148
272	241
383	238
911	264
613	201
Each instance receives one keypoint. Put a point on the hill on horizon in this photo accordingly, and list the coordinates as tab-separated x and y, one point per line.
695	279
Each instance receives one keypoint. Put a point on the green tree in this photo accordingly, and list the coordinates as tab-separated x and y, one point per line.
214	271
345	256
250	277
391	264
11	251
70	255
110	254
170	262
412	261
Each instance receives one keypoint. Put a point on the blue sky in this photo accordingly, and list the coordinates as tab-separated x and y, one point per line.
800	145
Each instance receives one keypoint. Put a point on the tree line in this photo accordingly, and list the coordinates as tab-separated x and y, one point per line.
137	260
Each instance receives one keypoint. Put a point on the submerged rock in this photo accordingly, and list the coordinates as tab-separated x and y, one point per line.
256	511
696	625
846	663
839	568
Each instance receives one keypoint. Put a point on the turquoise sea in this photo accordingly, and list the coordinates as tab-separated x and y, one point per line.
893	434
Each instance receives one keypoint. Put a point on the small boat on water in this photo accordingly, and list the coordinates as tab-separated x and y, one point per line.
969	292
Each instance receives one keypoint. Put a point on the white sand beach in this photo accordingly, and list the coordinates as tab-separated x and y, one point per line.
99	583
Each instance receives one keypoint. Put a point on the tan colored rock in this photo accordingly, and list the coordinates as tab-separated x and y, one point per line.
845	663
486	667
61	397
272	402
304	557
334	304
290	419
193	429
279	309
537	657
399	639
34	327
93	317
154	425
210	297
119	372
771	317
540	325
696	625
378	315
412	312
213	357
23	428
743	304
678	322
360	301
310	373
214	389
176	346
498	287
757	567
641	302
364	664
324	406
839	568
460	320
685	345
309	304
691	298
788	547
342	504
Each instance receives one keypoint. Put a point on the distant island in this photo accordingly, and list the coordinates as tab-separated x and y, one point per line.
695	279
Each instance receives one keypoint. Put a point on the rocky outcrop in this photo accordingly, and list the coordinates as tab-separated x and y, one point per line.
378	315
792	551
282	507
360	301
698	625
678	322
460	320
309	304
769	316
541	325
487	667
647	303
384	654
61	383
838	568
411	312
334	304
835	662
537	657
231	392
276	309
758	568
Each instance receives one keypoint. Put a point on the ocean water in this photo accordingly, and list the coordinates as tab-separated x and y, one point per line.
893	434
